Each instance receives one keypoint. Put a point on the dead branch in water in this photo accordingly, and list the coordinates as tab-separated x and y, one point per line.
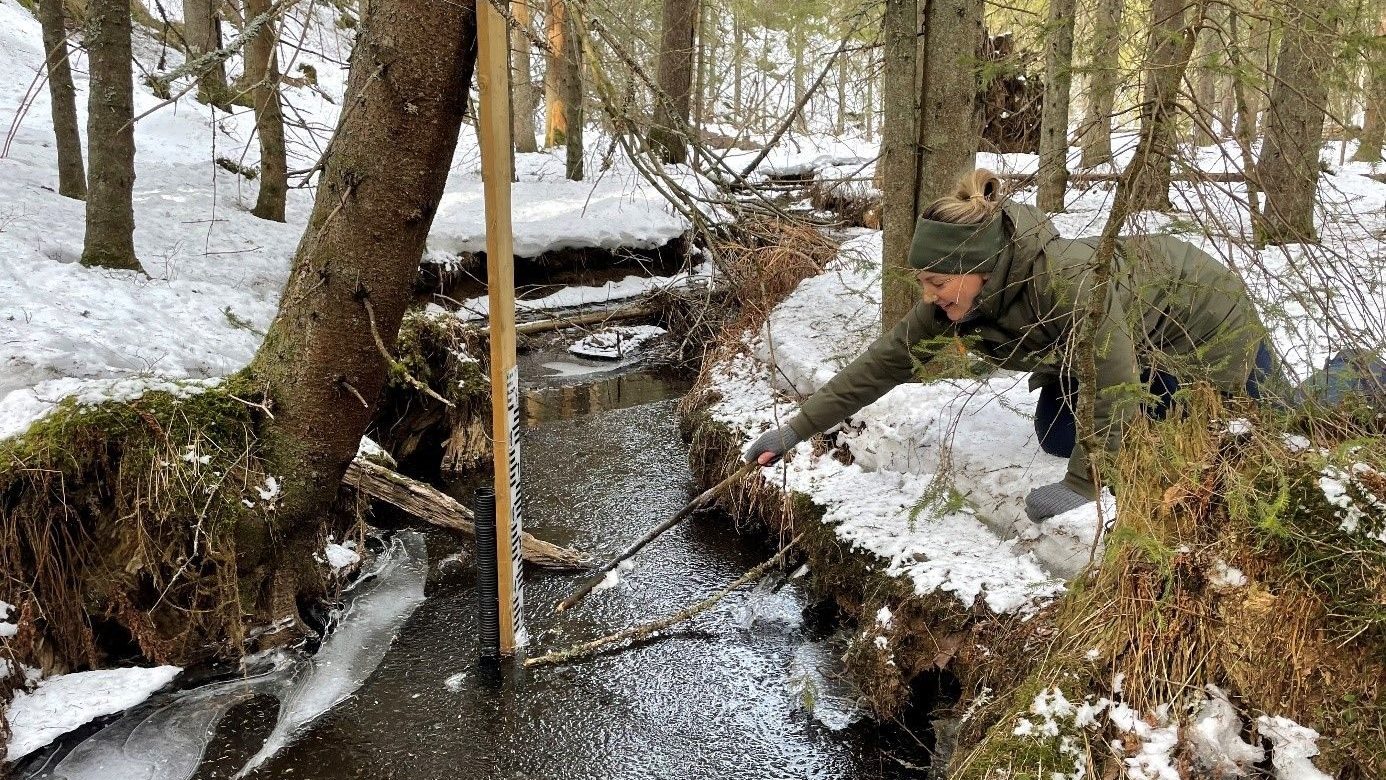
438	508
654	533
640	632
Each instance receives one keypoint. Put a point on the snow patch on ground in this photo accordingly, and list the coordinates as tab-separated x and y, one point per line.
341	556
1292	748
66	702
616	342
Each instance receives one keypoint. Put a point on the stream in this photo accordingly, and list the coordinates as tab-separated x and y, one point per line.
750	689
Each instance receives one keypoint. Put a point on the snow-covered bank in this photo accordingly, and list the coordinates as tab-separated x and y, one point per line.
914	446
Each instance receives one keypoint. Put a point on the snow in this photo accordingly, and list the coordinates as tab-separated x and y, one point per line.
884	618
570	297
371	451
66	702
215	271
616	211
1154	758
1225	577
1215	738
900	445
1335	484
616	342
1292	748
341	556
7	629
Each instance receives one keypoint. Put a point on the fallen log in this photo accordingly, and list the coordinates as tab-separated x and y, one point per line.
1096	178
438	508
591	318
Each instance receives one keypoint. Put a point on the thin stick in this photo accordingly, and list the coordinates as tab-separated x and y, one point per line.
390	359
640	632
707	495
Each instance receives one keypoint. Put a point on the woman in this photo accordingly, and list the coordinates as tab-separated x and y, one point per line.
998	275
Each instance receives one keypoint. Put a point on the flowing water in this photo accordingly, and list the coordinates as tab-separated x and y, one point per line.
747	690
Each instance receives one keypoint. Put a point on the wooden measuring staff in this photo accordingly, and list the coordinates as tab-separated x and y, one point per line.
654	533
493	131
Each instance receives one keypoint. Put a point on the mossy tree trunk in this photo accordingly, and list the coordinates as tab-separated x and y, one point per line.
262	70
72	176
898	169
524	99
1095	137
1058	79
675	79
357	262
110	230
1288	171
202	31
1150	191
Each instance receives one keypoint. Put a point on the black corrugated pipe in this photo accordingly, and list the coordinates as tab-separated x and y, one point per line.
487	588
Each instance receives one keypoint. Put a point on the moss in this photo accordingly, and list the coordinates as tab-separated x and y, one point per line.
154	514
1002	753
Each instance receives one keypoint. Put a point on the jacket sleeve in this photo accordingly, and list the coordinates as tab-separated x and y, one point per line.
885	364
1118	373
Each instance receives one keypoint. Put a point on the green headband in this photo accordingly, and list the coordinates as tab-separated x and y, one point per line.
948	248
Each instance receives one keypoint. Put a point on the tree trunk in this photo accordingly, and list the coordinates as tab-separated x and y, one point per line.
1058	74
355	268
703	88
525	101
1260	60
1374	121
72	177
868	109
1207	54
202	31
738	57
262	72
840	125
1095	137
796	43
555	113
570	81
1150	191
898	169
110	234
950	112
675	79
1289	168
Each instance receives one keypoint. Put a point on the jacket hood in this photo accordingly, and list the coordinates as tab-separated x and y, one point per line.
1028	232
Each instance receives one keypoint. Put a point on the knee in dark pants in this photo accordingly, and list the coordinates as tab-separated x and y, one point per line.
1055	424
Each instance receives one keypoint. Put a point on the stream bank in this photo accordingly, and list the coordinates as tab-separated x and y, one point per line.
749	690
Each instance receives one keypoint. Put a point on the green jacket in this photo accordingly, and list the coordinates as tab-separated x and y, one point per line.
1170	306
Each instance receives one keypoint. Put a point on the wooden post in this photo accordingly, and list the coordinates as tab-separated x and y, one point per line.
493	129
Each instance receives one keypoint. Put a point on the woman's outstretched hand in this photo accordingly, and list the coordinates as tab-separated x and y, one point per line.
1053	499
771	445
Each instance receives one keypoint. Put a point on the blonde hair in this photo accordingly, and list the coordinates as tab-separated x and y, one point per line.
975	198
